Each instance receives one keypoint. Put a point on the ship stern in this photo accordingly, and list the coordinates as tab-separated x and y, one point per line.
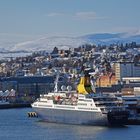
117	118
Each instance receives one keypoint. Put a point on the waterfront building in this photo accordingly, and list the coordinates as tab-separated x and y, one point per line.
27	85
131	80
106	80
31	85
126	69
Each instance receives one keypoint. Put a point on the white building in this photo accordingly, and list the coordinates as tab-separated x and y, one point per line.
126	69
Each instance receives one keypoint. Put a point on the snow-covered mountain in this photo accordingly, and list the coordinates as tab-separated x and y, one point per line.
48	43
108	38
5	46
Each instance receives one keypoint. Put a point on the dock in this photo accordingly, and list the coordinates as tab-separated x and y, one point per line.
14	105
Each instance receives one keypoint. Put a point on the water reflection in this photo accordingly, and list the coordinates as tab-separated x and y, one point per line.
72	131
15	125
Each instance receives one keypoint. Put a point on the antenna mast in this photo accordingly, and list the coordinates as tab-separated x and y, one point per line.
56	82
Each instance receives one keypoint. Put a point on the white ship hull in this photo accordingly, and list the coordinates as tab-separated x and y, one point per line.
83	111
72	116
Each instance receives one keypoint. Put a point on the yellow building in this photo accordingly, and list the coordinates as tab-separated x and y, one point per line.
106	80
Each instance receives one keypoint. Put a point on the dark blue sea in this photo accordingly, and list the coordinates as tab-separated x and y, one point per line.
15	125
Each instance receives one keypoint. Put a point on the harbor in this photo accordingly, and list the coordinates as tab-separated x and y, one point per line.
14	105
69	70
15	124
19	91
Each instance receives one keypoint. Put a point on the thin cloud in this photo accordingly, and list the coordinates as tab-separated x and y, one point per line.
88	16
79	15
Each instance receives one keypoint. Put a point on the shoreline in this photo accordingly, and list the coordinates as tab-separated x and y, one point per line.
15	105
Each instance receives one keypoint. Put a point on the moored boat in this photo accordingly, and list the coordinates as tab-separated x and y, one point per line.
81	107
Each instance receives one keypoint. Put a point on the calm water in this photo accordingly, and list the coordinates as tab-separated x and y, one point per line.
15	125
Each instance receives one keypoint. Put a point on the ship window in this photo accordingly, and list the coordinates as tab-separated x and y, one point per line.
88	100
65	107
85	100
82	104
45	105
130	99
81	100
43	101
107	104
87	108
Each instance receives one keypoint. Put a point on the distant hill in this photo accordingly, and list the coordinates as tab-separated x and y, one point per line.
108	38
48	43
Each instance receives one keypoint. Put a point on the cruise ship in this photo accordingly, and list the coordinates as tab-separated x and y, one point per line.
81	107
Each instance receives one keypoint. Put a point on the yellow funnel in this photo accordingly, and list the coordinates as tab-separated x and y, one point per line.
84	87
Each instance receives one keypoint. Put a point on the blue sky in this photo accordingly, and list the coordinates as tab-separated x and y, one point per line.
32	18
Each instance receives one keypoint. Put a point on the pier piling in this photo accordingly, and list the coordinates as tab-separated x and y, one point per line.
32	114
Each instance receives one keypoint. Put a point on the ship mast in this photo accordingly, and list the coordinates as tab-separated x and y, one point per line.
56	82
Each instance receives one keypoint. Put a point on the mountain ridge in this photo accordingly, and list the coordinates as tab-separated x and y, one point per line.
64	42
